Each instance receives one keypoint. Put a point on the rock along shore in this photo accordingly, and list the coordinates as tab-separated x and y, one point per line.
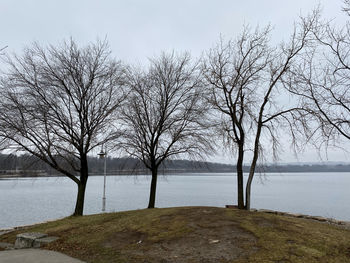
345	224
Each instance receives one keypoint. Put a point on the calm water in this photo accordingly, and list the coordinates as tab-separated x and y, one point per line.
28	201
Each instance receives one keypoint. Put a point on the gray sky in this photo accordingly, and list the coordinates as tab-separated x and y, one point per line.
139	29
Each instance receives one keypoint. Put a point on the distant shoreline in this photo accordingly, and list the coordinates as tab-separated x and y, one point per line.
167	173
29	166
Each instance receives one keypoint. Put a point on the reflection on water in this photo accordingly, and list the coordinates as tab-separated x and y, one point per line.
28	201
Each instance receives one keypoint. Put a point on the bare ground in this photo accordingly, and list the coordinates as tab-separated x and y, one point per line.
211	239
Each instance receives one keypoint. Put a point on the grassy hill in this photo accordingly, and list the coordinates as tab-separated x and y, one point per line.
195	234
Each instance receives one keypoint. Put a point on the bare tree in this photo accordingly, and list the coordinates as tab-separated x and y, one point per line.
165	115
324	82
245	87
59	103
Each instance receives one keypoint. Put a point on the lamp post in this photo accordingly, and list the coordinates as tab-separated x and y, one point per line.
103	155
16	149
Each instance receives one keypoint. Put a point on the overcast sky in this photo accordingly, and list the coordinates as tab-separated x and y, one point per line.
139	29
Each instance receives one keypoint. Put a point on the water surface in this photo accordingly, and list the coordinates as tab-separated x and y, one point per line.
28	201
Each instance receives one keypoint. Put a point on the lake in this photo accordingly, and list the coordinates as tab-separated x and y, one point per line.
33	200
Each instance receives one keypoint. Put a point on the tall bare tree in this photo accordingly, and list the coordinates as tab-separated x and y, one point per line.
324	82
245	86
59	103
165	115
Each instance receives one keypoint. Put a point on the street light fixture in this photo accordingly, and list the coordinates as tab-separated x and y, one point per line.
103	154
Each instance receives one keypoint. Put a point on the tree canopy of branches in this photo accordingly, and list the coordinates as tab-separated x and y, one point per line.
324	82
165	115
59	103
245	84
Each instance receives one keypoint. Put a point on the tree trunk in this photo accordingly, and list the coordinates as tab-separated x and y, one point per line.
79	206
253	165
240	177
152	196
249	185
250	178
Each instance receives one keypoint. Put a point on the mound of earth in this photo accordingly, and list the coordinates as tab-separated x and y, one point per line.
194	235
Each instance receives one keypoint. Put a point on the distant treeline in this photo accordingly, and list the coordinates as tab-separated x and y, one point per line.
27	165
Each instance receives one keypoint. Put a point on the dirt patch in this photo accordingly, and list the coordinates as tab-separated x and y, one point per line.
213	239
217	244
121	240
